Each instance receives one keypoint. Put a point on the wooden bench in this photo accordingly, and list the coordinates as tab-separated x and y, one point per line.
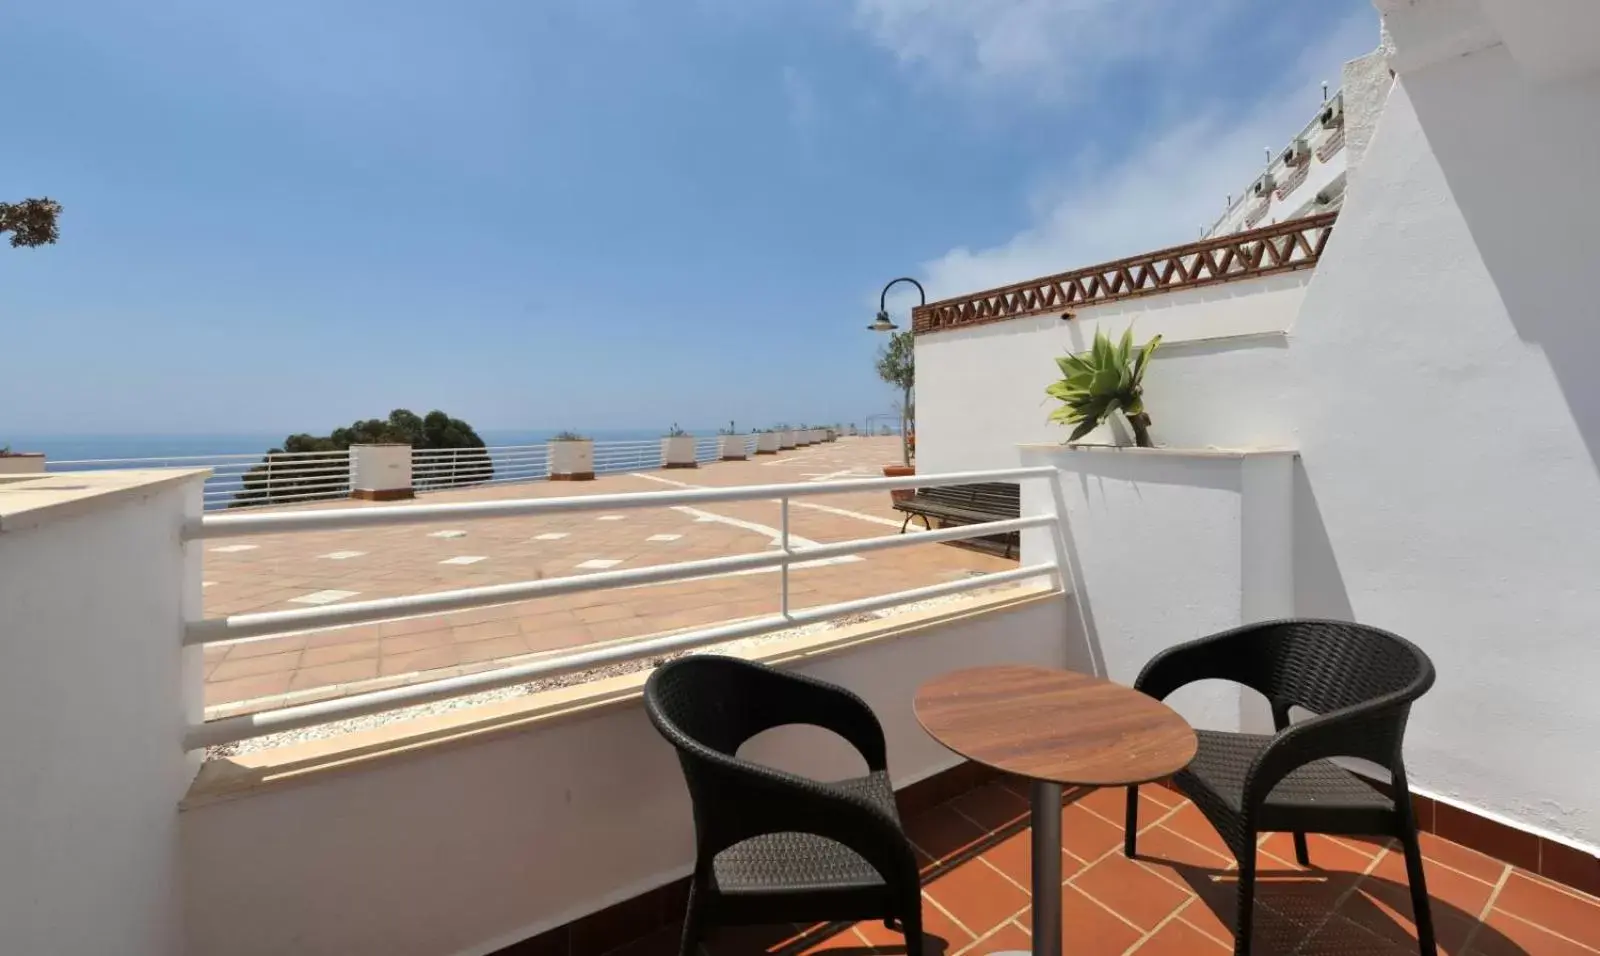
955	505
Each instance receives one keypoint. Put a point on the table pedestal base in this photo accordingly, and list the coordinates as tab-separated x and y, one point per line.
1046	823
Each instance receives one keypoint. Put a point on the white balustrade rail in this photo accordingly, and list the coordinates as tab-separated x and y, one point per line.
239	480
234	627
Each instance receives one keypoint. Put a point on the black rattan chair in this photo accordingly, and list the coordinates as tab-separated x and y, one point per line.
773	846
1359	682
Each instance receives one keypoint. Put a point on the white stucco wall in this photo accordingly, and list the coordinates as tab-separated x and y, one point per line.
980	390
1438	382
1448	414
469	848
92	712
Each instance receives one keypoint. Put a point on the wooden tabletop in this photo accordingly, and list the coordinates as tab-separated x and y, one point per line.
1055	725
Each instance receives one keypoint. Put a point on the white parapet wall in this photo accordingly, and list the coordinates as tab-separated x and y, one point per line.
95	692
1169	545
468	845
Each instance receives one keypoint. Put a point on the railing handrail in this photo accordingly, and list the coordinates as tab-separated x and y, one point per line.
242	457
231	525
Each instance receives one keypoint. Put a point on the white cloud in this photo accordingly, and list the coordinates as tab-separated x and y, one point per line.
1047	49
1163	191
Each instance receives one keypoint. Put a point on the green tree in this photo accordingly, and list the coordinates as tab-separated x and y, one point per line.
32	222
285	475
897	366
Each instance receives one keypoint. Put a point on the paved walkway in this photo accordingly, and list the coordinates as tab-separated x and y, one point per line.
278	572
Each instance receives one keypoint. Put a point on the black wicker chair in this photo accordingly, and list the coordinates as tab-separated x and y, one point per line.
772	846
1360	682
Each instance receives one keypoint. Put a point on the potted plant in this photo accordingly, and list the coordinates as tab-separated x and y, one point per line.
767	442
786	437
1107	378
20	462
677	449
571	457
897	367
732	446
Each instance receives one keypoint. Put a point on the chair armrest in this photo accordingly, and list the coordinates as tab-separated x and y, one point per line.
1371	731
1219	656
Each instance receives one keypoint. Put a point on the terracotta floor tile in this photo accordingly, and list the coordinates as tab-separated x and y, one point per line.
1111	803
338	653
1008	938
342	635
942	832
991	806
976	894
663	942
1562	912
1014	857
432	658
1085	835
270	645
484	631
1212	913
1161	846
491	650
1178	938
1326	853
409	643
1505	935
1163	794
1453	894
1133	892
1340	937
247	688
1088	929
941	936
1190	823
1462	859
415	625
1387	914
341	673
230	669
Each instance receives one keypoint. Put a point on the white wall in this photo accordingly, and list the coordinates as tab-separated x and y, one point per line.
466	849
980	390
92	712
1448	414
1439	383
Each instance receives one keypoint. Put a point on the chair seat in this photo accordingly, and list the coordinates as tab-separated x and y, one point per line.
1321	793
803	862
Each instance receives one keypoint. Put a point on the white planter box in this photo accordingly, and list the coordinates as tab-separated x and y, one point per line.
380	472
22	463
733	448
767	443
786	440
571	460
1167	545
678	452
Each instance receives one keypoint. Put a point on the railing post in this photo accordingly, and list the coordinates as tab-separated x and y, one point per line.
783	569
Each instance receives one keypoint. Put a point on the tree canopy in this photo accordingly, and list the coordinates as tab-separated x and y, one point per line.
31	222
897	366
285	476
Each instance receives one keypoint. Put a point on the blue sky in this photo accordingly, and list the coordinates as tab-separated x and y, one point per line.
588	213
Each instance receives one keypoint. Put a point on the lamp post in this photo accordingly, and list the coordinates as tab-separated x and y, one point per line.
882	323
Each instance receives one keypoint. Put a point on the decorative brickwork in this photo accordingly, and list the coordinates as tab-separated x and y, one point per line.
1281	247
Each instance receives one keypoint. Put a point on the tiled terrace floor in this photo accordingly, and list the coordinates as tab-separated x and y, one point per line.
1177	899
287	571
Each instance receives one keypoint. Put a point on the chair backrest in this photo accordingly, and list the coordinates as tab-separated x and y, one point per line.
714	702
1329	665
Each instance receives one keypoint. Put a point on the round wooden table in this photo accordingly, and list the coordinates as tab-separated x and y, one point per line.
1056	728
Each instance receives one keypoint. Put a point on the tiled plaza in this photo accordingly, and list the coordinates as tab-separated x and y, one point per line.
281	572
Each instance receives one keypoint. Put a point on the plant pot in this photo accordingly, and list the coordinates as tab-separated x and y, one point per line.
733	448
571	460
767	443
786	440
22	463
900	471
381	472
677	451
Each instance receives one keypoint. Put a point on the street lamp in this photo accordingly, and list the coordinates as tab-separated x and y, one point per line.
882	323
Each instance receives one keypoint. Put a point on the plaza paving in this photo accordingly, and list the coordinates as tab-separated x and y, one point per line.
281	572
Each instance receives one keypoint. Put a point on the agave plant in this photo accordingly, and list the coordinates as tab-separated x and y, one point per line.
1104	379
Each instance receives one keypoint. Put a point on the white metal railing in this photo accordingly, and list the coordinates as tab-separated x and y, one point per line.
234	627
240	480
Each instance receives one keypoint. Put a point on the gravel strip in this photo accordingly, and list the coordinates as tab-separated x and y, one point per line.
334	729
